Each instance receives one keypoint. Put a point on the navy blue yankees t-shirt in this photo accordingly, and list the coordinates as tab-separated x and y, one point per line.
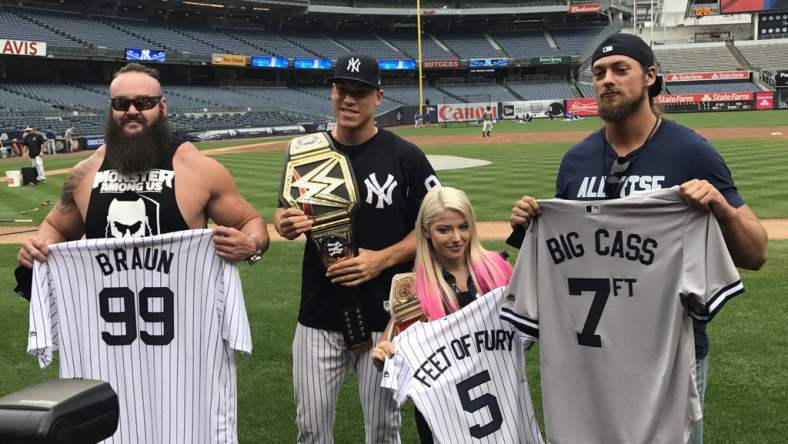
674	155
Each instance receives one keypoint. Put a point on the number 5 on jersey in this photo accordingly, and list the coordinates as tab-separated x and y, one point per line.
128	315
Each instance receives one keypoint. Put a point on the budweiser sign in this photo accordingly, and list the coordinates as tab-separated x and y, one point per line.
678	99
585	8
712	76
582	107
441	64
23	48
465	112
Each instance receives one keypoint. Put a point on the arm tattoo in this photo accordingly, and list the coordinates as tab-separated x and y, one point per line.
67	202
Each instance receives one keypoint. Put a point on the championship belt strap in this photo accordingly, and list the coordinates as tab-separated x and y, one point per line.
319	180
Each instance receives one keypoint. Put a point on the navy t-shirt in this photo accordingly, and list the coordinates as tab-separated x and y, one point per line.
392	175
674	155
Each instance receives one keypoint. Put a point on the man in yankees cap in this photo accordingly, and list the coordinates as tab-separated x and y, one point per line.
637	150
392	175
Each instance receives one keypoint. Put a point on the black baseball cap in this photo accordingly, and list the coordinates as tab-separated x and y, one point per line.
631	46
358	67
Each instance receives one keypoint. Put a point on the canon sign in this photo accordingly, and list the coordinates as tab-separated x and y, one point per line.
23	48
465	112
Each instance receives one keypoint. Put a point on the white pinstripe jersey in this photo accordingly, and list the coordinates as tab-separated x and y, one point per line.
466	374
608	287
159	318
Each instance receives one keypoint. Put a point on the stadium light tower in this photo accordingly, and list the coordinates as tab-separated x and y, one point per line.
418	49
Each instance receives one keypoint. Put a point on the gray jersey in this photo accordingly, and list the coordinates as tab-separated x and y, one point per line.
159	318
465	373
608	288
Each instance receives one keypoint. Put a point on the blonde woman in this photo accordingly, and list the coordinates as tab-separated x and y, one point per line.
451	267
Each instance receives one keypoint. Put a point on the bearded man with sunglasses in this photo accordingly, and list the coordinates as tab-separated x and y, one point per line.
637	150
144	181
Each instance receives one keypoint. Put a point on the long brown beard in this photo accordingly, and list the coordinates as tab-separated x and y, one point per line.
617	113
139	152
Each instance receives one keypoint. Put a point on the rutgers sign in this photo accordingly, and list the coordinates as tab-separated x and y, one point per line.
465	112
23	48
582	107
441	64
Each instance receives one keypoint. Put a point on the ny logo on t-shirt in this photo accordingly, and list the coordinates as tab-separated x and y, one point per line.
383	192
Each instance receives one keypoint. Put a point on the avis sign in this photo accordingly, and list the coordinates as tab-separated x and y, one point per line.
465	112
23	48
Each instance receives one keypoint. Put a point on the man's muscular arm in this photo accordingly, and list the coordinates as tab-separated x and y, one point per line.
64	222
237	219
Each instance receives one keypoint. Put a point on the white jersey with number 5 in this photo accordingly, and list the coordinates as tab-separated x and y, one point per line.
159	318
608	288
466	374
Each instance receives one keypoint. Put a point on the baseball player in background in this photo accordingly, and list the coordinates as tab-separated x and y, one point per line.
487	122
393	176
638	150
452	268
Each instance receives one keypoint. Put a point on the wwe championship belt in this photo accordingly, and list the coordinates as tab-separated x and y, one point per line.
319	181
404	306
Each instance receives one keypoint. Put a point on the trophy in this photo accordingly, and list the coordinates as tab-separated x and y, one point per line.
319	180
404	306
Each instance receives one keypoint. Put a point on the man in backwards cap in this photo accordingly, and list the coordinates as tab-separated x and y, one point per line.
637	150
393	176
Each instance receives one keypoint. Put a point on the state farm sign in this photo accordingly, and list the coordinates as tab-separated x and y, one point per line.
764	100
672	99
712	76
23	48
465	112
582	107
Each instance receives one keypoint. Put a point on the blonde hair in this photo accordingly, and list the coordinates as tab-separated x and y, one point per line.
487	269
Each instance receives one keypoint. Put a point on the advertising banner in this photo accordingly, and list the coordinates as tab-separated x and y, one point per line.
585	8
300	63
704	97
583	107
244	132
536	108
441	64
394	65
270	62
550	60
229	59
707	76
145	55
739	6
465	112
23	48
781	78
764	100
487	63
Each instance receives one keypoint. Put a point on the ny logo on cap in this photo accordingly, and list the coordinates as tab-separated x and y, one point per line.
607	49
353	65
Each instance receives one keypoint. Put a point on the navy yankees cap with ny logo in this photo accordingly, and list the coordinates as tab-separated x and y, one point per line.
358	67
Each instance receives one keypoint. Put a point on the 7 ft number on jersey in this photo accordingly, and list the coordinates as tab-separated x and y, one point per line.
601	289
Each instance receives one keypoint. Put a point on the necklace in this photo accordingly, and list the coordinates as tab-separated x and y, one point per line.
645	143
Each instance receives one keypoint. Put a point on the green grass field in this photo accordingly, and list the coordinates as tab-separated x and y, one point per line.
748	383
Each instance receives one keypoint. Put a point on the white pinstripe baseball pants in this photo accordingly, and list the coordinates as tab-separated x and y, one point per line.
320	363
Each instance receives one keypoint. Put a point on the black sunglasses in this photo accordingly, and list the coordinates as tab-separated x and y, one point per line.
140	103
613	181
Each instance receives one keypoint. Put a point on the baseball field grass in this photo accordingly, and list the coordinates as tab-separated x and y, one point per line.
748	375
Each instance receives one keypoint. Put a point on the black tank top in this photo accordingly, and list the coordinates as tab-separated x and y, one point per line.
135	205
